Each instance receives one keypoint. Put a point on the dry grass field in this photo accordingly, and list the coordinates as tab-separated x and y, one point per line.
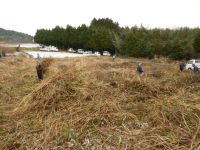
97	103
7	49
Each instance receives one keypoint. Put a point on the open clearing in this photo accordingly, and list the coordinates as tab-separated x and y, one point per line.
97	103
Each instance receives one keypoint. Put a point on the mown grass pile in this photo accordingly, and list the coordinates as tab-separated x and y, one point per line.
97	103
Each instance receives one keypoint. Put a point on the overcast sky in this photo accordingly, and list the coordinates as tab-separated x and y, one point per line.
29	15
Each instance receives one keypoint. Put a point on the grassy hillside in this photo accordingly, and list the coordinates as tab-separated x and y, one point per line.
95	103
13	36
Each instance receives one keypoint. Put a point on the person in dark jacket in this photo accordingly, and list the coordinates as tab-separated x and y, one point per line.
139	69
18	48
3	54
181	66
196	69
39	70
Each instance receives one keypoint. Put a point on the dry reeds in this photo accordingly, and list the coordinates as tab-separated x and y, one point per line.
46	62
95	103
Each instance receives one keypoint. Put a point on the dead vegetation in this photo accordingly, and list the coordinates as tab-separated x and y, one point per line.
95	103
8	49
46	62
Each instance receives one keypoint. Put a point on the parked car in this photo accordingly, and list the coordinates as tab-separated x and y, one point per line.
71	50
106	53
85	52
49	48
191	62
97	53
80	51
90	52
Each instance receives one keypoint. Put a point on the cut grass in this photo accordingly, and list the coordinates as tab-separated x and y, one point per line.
95	103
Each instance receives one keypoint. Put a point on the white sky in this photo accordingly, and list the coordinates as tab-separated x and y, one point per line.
29	15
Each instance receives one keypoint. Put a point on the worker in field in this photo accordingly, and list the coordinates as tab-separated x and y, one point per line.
196	69
38	59
18	48
181	66
139	68
38	56
3	54
39	70
114	56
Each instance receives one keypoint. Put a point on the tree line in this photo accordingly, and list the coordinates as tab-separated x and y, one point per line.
105	34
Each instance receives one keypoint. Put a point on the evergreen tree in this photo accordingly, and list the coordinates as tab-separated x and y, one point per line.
196	43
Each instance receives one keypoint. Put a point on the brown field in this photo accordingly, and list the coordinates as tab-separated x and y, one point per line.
97	103
8	49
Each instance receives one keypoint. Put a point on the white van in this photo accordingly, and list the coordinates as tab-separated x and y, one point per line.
192	61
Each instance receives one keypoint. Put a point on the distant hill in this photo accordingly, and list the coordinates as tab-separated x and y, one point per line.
13	36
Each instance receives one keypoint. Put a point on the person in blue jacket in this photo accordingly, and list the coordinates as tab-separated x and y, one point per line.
38	56
139	68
